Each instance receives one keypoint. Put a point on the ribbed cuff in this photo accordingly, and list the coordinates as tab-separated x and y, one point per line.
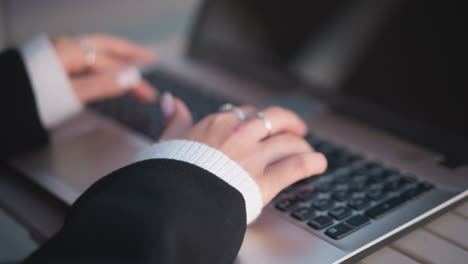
214	161
55	97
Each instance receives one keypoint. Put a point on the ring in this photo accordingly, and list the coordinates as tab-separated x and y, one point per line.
267	122
90	51
231	107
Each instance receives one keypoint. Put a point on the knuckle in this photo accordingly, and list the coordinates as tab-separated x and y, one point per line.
275	110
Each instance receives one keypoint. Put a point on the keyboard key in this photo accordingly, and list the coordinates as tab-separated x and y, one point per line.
285	204
381	209
376	194
339	231
341	195
357	186
411	193
358	221
303	213
322	204
392	186
406	179
342	179
306	195
425	186
340	212
359	203
391	171
320	222
324	187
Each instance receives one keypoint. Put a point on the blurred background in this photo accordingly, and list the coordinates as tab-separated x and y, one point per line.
140	20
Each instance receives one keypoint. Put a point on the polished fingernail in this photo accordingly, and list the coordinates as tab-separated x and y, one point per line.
167	104
129	78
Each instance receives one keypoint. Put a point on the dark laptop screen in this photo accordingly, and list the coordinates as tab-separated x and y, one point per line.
412	68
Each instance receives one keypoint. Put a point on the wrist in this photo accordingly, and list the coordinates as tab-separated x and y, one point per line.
214	161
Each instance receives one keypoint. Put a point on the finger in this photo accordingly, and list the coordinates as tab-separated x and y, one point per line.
219	126
288	171
281	120
144	92
225	121
281	146
97	86
107	62
108	84
123	48
177	116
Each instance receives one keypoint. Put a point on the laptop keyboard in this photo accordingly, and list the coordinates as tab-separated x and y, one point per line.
148	119
351	194
354	191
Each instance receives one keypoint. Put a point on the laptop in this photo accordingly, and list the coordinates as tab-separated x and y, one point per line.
395	161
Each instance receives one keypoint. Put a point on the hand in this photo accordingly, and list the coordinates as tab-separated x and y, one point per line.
114	56
274	161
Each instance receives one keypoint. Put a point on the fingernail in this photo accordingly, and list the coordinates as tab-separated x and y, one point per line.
129	78
167	104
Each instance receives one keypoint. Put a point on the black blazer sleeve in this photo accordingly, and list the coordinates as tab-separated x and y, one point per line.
155	211
21	129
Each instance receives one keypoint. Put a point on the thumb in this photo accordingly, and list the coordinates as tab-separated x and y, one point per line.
177	116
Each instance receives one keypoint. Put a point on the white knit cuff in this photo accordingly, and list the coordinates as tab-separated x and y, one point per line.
214	161
55	97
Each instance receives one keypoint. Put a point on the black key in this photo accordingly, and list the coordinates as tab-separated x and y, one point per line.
381	209
425	186
288	189
306	195
340	212
391	171
303	213
341	195
324	187
378	171
358	221
342	179
372	165
411	193
359	203
320	222
339	231
360	178
285	204
322	204
376	178
355	157
392	186
357	186
376	194
405	179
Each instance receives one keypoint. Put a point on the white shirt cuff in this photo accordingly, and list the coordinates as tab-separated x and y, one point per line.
214	161
55	97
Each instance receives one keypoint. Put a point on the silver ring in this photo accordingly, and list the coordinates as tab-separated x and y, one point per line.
90	51
230	107
267	122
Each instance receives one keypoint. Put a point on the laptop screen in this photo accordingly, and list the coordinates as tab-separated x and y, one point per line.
403	58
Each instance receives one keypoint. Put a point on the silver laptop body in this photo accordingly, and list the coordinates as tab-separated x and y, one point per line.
90	146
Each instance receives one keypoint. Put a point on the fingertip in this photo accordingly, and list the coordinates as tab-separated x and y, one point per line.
145	92
182	110
321	161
